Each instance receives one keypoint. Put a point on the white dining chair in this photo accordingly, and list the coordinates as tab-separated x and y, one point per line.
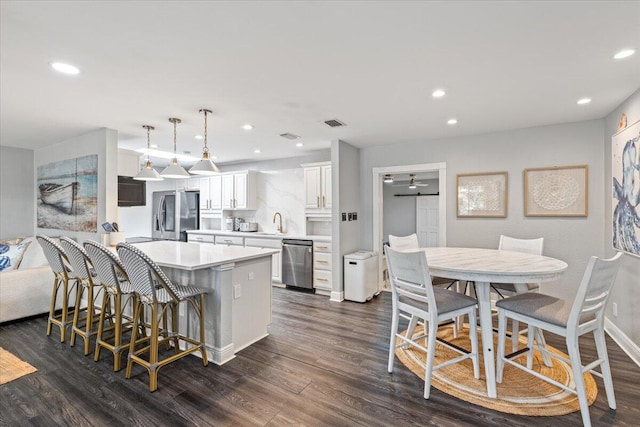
403	243
410	243
529	246
414	297
570	319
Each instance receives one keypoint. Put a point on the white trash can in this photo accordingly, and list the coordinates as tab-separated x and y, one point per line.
360	276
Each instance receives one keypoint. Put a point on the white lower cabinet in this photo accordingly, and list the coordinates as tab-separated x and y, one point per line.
230	240
276	259
322	267
205	238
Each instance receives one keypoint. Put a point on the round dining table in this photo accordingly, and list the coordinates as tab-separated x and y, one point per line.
486	266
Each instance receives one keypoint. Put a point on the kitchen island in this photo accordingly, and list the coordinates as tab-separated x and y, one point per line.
238	304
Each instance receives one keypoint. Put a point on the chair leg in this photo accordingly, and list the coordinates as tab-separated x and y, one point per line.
153	347
52	305
117	340
531	332
473	335
515	335
105	300
392	342
601	347
576	366
431	350
76	313
502	330
134	336
543	343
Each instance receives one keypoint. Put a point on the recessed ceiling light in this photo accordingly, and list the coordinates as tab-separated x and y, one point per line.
199	137
247	126
213	157
154	146
625	53
452	121
299	144
438	93
584	101
65	68
257	151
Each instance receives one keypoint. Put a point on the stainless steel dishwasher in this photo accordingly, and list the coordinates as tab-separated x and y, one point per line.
297	263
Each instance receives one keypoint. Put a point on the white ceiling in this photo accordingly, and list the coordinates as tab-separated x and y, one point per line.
288	66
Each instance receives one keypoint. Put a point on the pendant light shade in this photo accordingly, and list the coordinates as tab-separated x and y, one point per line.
148	173
205	166
174	170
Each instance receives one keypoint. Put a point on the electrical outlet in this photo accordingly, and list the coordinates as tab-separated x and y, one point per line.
615	309
237	291
250	276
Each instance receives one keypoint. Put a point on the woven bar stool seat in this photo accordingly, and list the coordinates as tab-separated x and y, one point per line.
161	298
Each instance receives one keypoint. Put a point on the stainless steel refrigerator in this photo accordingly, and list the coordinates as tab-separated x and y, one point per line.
173	213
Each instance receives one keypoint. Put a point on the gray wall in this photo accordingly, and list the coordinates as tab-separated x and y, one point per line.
399	213
17	191
626	292
346	189
570	239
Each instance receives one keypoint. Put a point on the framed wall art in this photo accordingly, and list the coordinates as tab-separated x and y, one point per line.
68	194
625	168
482	195
556	191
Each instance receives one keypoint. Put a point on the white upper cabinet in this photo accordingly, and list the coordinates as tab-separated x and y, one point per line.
239	190
128	162
210	193
317	184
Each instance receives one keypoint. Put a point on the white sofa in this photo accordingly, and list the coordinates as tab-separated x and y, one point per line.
26	291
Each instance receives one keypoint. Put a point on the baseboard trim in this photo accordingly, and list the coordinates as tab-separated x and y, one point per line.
628	346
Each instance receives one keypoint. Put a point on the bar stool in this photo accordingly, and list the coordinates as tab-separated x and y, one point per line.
118	294
84	274
161	296
63	283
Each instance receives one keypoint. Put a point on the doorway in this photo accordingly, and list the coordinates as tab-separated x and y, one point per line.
377	208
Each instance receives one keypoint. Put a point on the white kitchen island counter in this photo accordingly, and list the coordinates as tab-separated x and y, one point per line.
238	304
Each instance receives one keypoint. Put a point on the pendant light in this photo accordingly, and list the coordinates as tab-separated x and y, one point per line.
148	173
174	170
205	166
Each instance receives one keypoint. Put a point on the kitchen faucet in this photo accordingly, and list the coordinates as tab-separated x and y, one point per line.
274	221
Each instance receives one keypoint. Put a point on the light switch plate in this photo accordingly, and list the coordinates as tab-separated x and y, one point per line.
237	291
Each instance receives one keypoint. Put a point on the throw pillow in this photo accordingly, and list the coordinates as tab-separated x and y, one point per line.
33	256
11	255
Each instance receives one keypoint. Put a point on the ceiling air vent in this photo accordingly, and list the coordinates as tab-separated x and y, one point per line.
334	123
289	136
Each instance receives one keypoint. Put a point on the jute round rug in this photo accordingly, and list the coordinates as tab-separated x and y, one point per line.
519	393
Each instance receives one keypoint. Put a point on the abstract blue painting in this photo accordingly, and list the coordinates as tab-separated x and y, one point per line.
625	168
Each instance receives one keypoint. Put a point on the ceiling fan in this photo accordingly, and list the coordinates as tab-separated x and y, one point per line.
412	183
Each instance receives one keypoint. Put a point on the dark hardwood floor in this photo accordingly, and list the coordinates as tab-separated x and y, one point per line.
323	363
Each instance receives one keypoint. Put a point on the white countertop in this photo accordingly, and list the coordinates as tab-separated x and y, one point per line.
262	235
195	256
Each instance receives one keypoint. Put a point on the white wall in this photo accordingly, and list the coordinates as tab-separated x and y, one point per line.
626	292
102	142
17	191
570	239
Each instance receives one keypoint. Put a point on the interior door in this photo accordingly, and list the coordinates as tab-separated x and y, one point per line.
427	220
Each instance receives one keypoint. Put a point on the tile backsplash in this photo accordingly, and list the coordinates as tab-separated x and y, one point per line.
279	191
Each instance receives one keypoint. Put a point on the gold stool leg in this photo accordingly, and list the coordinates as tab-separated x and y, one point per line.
134	337
153	348
105	300
203	350
76	312
52	306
